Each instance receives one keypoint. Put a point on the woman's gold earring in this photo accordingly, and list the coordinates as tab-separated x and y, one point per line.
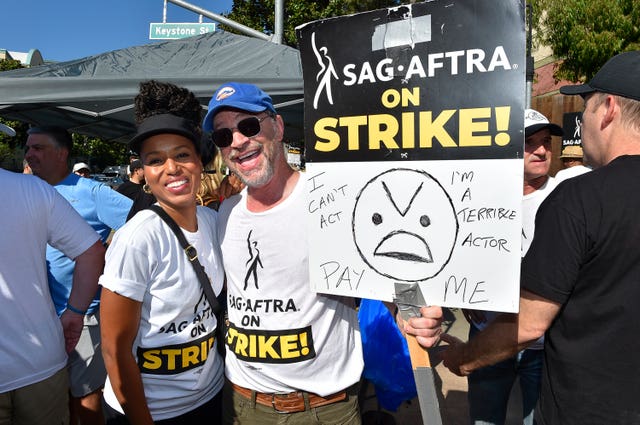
146	188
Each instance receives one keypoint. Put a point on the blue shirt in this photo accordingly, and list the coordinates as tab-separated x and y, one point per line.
104	209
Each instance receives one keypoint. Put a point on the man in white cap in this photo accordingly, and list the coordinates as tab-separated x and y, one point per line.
82	169
489	387
580	278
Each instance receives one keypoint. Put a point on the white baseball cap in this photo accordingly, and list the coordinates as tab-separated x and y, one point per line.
534	121
81	166
7	130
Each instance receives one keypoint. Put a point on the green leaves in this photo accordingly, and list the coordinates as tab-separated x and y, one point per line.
99	151
259	15
9	64
586	33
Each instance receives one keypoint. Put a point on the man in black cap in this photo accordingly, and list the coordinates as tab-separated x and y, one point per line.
581	275
134	189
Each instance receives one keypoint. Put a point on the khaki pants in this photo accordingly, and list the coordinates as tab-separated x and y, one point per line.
43	403
239	410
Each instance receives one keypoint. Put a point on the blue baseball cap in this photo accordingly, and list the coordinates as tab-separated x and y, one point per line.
246	97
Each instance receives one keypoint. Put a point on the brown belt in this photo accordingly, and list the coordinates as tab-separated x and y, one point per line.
289	402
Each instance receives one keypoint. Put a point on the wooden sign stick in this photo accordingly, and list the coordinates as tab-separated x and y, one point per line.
409	299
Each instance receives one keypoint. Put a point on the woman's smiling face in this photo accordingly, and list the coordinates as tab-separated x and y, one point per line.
172	169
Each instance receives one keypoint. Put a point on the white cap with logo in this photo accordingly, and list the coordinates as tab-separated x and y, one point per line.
534	121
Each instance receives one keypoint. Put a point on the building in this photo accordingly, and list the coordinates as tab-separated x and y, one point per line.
29	59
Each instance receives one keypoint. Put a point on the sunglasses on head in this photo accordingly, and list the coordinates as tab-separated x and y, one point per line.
249	127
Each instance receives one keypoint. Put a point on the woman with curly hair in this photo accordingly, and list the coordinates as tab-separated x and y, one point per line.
158	329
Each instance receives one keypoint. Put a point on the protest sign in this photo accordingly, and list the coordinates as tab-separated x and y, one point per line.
413	147
571	126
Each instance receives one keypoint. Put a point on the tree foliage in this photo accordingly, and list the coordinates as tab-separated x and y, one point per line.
5	152
9	64
98	152
9	144
260	14
586	33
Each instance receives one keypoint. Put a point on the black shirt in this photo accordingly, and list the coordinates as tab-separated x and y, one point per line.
141	200
585	255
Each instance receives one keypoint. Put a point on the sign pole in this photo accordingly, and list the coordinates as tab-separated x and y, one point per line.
409	299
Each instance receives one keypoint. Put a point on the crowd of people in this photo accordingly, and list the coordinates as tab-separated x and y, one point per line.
129	330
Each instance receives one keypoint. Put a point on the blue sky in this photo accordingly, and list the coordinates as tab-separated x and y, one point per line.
71	29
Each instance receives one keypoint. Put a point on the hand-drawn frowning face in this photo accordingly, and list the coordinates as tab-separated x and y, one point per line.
404	225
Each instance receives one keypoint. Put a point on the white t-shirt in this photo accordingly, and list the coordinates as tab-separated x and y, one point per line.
530	205
283	337
33	214
570	172
175	349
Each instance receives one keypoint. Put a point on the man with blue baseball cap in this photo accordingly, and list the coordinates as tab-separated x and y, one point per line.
289	351
580	277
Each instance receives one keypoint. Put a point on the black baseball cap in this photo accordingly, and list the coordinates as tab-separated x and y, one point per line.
164	124
135	165
618	76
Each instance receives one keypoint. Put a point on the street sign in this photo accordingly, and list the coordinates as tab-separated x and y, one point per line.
172	31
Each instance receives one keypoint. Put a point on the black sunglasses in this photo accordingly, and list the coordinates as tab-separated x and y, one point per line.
249	127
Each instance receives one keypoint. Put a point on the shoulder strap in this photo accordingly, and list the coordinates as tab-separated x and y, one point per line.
192	255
